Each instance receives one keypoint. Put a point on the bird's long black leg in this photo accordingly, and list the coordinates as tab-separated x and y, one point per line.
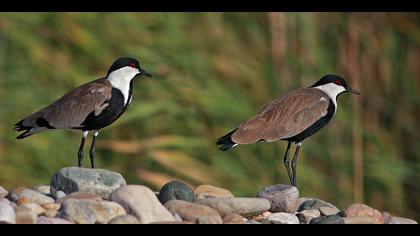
294	163
92	150
286	162
80	152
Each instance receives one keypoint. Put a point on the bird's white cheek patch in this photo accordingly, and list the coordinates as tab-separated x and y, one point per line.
332	90
121	78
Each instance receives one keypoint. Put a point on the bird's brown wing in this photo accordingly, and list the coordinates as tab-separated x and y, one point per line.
72	109
285	117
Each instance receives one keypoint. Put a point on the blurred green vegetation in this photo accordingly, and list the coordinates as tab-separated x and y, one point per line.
211	72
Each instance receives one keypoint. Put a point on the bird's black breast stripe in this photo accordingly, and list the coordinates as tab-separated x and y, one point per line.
111	113
315	127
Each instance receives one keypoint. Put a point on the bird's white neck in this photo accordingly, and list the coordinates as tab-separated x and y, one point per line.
120	79
332	90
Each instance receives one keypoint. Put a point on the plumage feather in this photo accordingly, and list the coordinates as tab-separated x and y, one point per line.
70	110
287	116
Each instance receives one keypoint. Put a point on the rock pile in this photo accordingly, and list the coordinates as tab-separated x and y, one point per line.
86	196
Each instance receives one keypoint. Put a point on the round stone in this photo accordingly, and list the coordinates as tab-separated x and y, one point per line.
89	211
176	190
358	209
283	198
22	194
98	181
193	212
233	219
240	205
209	191
327	211
313	203
141	202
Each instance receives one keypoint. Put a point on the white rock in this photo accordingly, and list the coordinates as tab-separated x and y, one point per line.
22	194
5	200
401	220
327	211
82	211
141	202
7	214
58	194
283	218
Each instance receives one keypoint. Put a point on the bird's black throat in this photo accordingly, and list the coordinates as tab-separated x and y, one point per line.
315	127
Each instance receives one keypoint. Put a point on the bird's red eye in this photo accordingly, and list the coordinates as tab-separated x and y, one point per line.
338	82
133	65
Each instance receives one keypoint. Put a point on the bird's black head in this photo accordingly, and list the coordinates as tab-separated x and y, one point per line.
127	62
337	81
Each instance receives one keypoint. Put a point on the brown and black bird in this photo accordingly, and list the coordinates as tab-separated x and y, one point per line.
291	117
89	107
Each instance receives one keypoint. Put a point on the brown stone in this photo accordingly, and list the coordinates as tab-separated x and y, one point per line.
24	195
51	206
209	191
50	213
359	220
233	219
241	205
80	196
37	209
193	212
25	215
358	209
283	198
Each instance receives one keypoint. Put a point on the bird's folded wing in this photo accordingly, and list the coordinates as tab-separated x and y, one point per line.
72	109
285	117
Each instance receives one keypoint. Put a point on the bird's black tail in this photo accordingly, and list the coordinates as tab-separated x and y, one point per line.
20	127
226	141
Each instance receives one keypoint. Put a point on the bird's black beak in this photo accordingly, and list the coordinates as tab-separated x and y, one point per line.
351	90
145	73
